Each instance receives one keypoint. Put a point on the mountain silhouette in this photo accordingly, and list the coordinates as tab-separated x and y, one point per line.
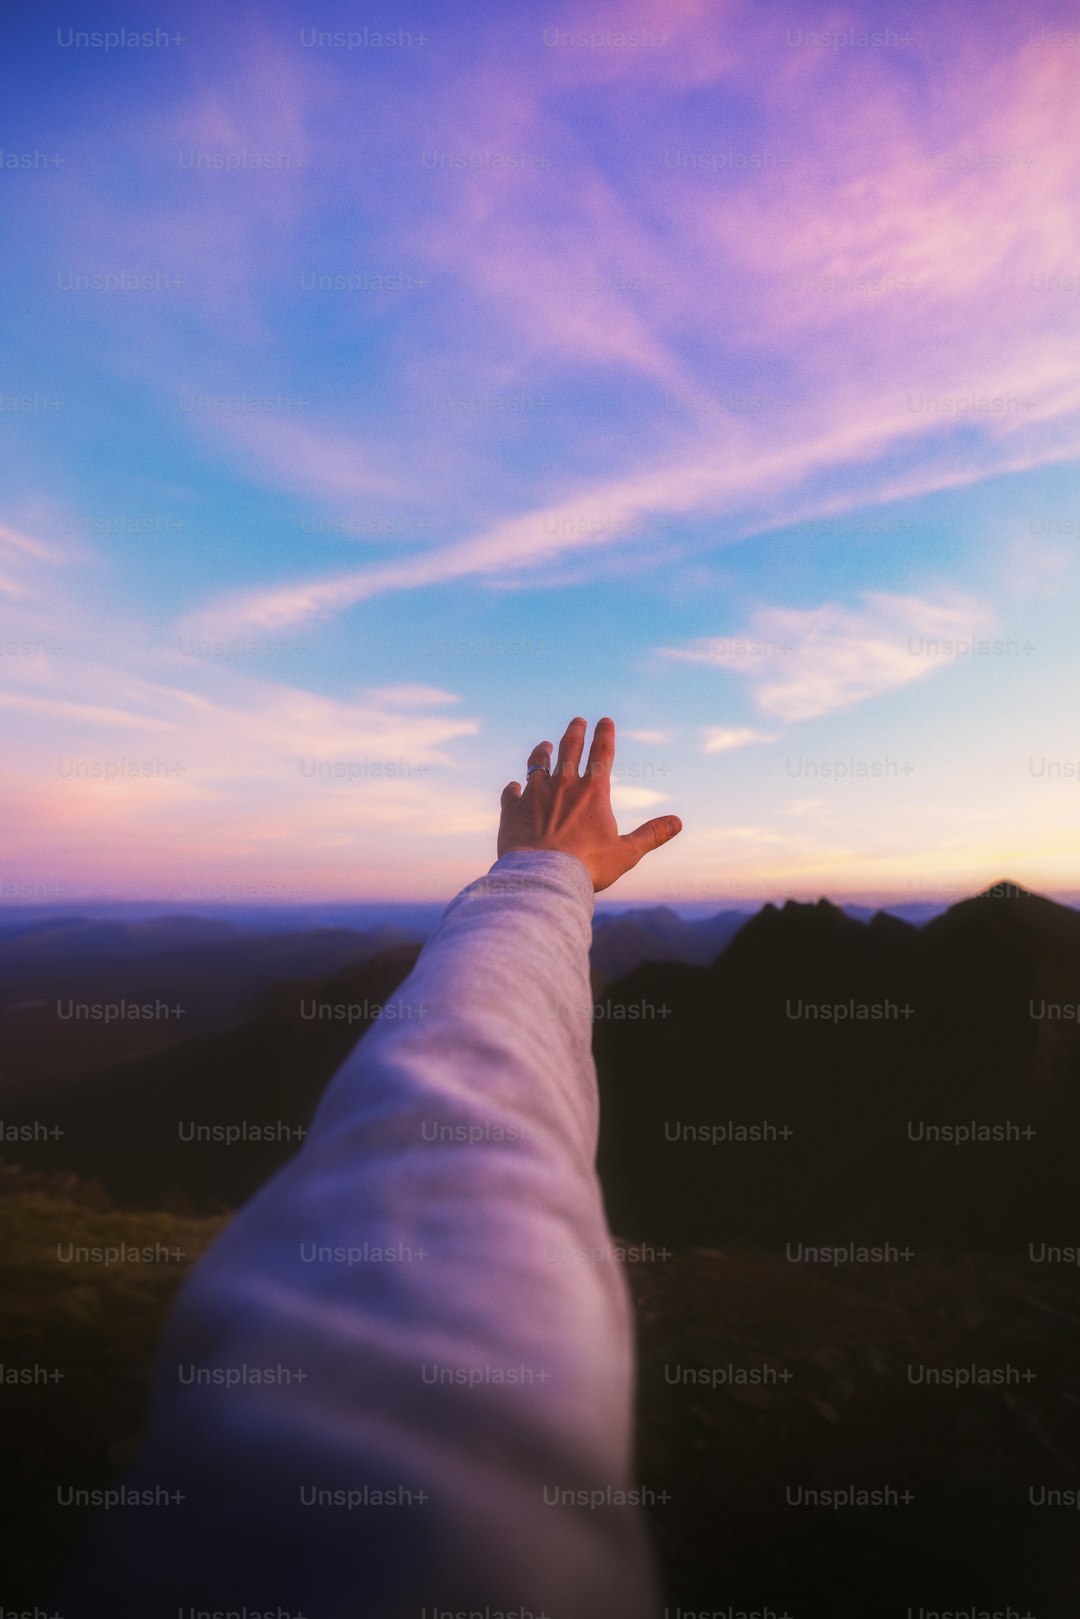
929	1028
787	1092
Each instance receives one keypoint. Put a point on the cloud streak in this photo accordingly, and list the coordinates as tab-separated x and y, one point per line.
814	661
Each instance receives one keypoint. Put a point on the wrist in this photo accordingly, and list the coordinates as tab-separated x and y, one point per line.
538	858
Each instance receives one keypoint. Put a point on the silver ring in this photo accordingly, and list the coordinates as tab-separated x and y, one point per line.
531	768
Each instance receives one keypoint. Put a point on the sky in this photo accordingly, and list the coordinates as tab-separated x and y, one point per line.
382	386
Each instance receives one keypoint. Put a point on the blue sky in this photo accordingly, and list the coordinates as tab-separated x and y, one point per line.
709	366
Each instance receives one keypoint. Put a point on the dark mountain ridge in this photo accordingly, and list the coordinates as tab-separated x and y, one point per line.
862	1040
788	1093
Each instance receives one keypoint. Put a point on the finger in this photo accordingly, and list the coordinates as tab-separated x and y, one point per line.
510	793
570	747
650	835
602	752
540	755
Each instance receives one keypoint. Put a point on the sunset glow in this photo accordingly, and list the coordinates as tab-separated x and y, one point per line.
371	409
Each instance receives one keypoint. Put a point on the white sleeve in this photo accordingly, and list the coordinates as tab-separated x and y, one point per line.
430	1283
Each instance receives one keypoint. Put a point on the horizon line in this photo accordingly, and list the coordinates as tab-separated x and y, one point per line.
209	900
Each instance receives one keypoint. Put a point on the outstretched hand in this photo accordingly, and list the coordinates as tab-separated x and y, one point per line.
573	813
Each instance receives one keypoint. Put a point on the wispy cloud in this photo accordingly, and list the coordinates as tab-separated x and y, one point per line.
415	696
635	798
719	739
813	661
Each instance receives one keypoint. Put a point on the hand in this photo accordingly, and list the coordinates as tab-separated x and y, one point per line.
573	813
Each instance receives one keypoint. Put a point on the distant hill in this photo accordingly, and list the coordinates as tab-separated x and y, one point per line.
126	1125
76	937
621	942
212	971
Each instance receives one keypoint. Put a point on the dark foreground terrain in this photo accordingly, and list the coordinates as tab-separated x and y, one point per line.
757	1377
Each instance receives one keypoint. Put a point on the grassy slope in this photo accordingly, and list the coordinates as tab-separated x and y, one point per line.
97	1325
847	1415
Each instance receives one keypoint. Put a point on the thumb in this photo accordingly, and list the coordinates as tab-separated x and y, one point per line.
650	835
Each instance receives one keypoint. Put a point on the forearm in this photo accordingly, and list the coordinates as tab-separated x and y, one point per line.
472	1343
